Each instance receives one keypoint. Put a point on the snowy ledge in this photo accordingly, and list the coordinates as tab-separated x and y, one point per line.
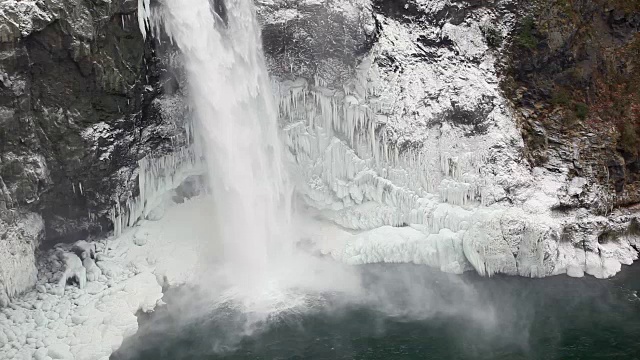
91	323
168	249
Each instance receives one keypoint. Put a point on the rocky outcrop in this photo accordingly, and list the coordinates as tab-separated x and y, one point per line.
309	39
82	99
419	133
572	73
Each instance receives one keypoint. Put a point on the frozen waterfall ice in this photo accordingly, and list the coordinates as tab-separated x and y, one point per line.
232	98
373	156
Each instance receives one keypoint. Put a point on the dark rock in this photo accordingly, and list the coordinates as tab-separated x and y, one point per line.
316	40
84	69
569	60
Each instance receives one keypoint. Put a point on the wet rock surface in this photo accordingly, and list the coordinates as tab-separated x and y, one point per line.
308	38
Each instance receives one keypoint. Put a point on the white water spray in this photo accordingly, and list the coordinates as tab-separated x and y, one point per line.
230	91
263	274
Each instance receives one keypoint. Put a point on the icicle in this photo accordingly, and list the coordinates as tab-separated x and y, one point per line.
332	136
156	176
144	13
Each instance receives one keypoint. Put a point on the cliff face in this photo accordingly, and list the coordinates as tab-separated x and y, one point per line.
573	73
494	129
419	133
80	95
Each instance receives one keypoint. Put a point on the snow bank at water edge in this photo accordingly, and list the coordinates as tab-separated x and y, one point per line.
91	323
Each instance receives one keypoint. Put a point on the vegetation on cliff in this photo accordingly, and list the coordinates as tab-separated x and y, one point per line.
574	66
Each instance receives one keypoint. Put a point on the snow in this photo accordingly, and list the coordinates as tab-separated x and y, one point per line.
78	325
19	241
468	39
91	323
334	138
424	158
157	176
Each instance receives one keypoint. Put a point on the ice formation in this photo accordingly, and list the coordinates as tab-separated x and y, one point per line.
18	271
84	249
90	323
157	176
431	146
73	269
422	162
144	14
375	158
79	265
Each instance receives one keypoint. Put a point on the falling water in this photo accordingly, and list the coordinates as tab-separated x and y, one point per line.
230	91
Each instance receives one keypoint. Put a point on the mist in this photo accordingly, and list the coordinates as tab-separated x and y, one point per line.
400	306
263	286
218	321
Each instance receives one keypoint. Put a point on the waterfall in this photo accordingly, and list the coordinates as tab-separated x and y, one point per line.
231	94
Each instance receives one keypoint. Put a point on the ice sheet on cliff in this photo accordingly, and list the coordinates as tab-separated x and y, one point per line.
420	156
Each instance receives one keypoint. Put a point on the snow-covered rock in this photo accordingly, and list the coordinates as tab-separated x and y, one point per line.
73	270
420	135
20	234
65	158
84	250
91	321
92	270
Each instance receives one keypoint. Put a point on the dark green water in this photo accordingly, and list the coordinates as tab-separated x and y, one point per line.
413	312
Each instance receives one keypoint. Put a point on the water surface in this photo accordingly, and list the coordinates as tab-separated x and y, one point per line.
414	312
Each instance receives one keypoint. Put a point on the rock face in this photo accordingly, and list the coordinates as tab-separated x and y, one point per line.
421	113
308	39
572	72
416	131
82	99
